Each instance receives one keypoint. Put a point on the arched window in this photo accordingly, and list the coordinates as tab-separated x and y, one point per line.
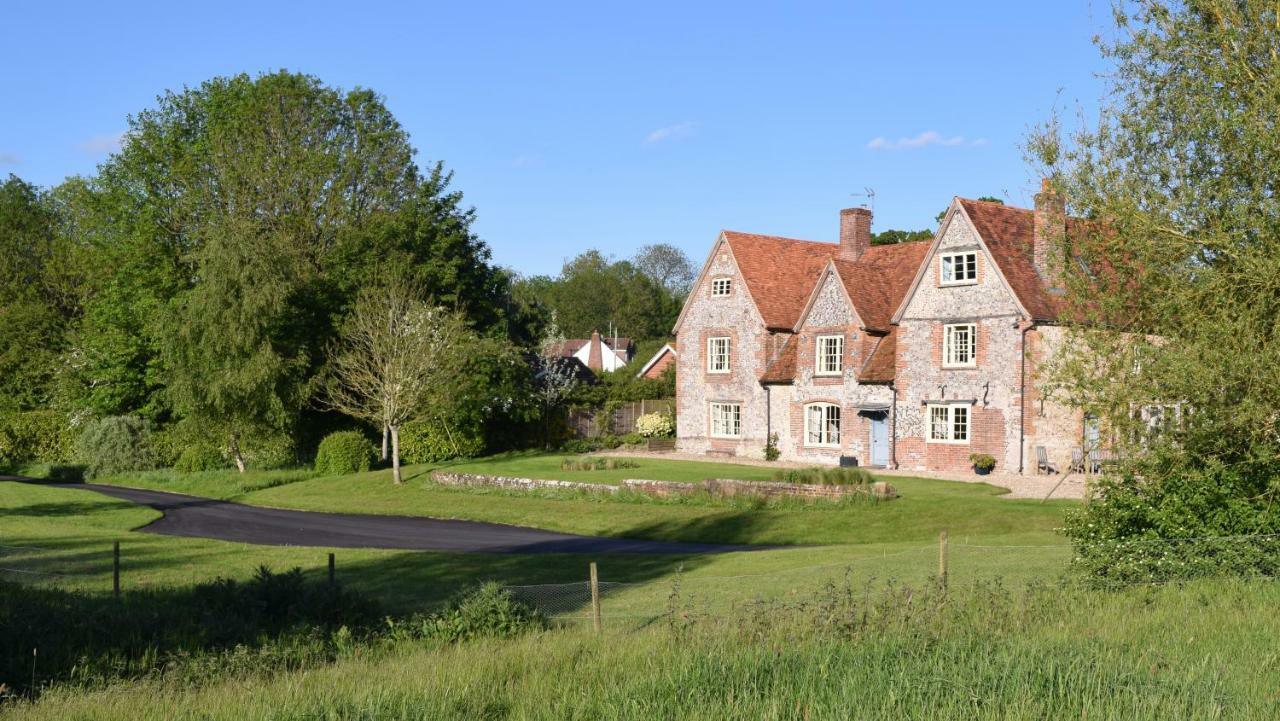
822	425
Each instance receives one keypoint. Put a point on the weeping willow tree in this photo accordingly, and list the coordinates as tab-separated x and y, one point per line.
1172	269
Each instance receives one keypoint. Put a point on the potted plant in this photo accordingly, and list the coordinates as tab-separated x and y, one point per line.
982	463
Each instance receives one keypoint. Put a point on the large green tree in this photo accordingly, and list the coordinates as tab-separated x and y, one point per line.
1173	273
242	190
34	312
595	292
228	238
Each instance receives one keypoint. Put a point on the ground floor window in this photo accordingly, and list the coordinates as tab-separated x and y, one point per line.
726	420
822	424
949	423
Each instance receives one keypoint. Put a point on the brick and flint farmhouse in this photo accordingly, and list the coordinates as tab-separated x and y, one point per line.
912	356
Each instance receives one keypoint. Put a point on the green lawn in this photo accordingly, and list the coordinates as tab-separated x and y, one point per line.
972	511
72	531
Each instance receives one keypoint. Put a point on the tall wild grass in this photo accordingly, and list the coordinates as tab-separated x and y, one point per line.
986	651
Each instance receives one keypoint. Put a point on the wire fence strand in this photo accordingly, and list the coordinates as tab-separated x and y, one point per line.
640	596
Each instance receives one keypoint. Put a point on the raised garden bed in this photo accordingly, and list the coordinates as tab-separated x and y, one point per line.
663	445
714	486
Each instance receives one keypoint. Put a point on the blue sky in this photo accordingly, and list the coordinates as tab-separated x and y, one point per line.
606	125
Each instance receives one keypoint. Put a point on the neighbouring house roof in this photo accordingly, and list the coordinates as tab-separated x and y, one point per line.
779	273
1010	235
569	347
656	357
783	368
880	365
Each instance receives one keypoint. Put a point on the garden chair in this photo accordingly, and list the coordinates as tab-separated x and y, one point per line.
1077	460
1095	461
1042	461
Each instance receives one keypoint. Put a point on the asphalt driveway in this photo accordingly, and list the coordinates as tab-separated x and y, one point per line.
225	521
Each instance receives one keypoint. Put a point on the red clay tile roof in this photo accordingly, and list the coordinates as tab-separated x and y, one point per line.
567	348
880	365
1009	233
779	272
878	280
783	368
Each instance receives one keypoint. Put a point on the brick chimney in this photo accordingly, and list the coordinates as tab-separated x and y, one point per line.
1049	234
595	356
855	232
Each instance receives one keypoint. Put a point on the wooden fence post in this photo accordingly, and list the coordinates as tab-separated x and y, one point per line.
942	559
331	574
595	598
115	569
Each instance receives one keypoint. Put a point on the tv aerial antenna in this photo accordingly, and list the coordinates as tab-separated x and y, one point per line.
869	194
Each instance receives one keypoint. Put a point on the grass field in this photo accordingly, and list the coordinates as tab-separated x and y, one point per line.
853	627
1204	651
925	507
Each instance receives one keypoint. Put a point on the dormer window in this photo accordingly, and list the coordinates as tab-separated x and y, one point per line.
830	355
959	268
721	287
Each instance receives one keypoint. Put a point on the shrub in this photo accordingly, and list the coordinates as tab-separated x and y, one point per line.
982	461
115	444
344	452
1159	526
34	436
269	452
825	476
596	464
488	611
610	441
632	439
655	425
425	441
771	452
581	445
200	457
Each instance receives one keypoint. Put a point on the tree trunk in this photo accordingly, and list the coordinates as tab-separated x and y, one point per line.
385	434
236	455
395	455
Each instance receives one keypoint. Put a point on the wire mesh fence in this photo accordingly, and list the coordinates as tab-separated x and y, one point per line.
619	595
44	566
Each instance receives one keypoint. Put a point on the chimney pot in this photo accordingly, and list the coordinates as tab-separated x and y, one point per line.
855	232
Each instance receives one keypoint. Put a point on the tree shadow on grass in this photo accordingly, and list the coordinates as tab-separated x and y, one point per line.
737	527
66	508
51	635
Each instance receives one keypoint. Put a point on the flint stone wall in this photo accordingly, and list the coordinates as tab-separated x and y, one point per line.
724	487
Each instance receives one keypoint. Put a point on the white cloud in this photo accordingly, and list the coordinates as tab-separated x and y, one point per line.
671	132
102	144
925	139
9	158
